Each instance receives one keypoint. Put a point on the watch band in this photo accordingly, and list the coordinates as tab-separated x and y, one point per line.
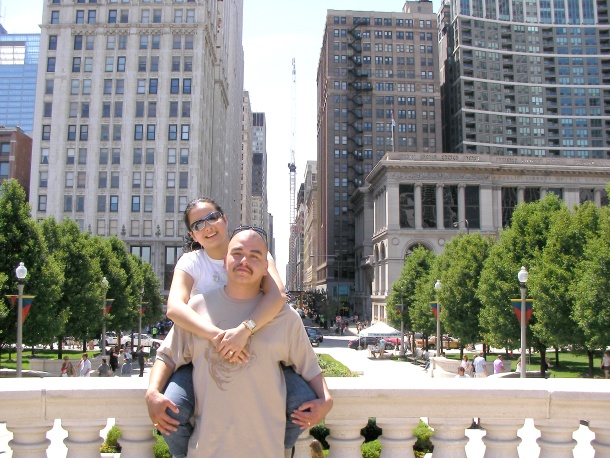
250	325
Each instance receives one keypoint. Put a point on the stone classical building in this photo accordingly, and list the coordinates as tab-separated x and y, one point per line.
138	111
423	199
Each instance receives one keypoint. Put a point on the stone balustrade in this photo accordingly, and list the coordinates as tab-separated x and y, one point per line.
30	406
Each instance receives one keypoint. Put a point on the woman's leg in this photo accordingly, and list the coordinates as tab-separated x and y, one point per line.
181	392
297	392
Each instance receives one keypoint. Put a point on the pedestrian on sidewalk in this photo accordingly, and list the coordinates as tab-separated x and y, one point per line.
141	359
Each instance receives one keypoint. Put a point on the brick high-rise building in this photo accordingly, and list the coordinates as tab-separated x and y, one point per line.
378	92
138	111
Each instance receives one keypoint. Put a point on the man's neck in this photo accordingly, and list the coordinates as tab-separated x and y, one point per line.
242	292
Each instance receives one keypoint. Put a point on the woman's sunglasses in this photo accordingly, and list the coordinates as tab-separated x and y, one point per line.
212	218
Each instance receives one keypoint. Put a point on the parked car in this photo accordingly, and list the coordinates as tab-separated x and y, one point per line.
313	341
146	339
363	342
317	335
449	343
110	338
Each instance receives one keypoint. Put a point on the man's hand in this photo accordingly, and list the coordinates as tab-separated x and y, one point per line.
311	413
232	342
157	404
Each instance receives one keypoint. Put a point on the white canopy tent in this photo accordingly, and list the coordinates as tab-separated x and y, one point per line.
380	329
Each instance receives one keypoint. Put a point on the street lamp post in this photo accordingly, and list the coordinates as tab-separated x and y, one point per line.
105	286
140	319
439	337
465	221
522	275
401	354
21	273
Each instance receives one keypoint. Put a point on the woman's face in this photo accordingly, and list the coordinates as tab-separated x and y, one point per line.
213	233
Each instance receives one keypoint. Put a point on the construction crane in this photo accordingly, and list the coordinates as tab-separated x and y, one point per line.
291	165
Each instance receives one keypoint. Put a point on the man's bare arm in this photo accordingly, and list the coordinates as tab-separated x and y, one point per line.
157	403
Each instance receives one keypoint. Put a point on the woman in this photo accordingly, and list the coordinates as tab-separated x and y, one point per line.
518	368
606	363
467	365
67	369
199	270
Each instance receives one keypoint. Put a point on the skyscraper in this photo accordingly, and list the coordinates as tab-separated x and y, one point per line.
259	201
138	111
378	92
18	66
526	78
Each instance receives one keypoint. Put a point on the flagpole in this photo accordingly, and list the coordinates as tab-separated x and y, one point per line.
393	132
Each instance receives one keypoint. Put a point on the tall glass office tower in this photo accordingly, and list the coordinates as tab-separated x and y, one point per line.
526	78
18	67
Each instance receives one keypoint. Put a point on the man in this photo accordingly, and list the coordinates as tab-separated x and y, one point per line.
84	366
480	367
240	408
498	365
141	359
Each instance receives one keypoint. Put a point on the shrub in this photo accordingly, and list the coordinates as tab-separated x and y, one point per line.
371	431
371	449
111	444
320	432
423	434
161	450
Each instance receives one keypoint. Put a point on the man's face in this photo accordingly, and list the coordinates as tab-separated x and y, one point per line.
246	260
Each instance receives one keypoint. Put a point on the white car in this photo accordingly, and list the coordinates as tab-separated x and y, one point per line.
146	340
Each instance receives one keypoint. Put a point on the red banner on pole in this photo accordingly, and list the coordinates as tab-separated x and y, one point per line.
25	304
109	305
529	308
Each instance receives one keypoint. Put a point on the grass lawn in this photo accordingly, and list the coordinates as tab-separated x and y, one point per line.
6	363
571	364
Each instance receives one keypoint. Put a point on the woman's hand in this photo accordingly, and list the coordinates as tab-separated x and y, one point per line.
311	413
231	344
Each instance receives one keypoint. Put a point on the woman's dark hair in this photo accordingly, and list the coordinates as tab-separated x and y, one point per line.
190	244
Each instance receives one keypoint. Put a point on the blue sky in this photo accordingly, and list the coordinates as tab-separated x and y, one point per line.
273	34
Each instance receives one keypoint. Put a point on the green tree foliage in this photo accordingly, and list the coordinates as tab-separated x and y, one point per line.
590	290
520	245
552	275
21	240
460	267
81	293
422	317
152	286
417	266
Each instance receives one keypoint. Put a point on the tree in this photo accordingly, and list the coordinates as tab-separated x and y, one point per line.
553	273
21	240
81	292
519	245
459	268
417	265
152	286
590	290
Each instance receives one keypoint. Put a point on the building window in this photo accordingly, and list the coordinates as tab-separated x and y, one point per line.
185	132
184	180
184	155
84	133
102	180
101	204
50	64
114	203
143	252
174	87
171	155
44	156
52	42
120	63
135	203
54	20
71	133
186	86
150	156
149	179
152	86
136	180
43	179
80	204
150	131
42	203
169	204
67	203
138	132
148	204
171	179
172	133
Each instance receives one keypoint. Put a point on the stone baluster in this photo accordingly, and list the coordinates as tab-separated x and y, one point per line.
397	439
29	440
137	439
555	439
83	439
301	448
449	437
344	438
601	443
501	439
